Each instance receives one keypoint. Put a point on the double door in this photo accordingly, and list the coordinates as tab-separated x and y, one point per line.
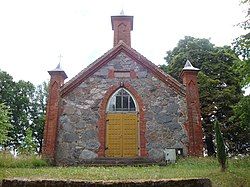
122	135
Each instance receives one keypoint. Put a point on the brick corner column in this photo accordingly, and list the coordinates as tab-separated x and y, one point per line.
57	78
193	124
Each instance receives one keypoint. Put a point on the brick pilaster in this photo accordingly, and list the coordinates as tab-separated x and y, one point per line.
193	124
52	114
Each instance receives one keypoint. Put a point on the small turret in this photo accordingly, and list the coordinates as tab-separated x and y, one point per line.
57	77
193	125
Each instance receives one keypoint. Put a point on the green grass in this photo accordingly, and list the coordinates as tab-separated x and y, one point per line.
238	173
8	161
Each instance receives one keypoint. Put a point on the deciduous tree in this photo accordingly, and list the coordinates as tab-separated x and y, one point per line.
27	105
38	114
219	83
241	46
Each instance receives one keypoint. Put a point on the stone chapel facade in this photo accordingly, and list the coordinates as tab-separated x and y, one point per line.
121	106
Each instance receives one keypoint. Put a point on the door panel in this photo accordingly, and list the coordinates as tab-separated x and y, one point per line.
122	135
114	134
130	135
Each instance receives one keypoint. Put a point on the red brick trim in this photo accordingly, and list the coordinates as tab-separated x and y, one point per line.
102	120
50	129
111	74
133	74
52	114
193	125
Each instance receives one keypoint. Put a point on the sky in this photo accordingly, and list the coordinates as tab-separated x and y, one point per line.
33	33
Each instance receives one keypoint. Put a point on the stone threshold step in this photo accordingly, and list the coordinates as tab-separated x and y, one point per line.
121	161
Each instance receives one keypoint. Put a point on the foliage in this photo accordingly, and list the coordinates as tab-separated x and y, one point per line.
5	125
219	84
221	150
246	22
38	114
241	46
7	160
28	145
17	96
27	106
195	49
241	119
243	67
236	175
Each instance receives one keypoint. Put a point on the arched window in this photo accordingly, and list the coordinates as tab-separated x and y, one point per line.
121	100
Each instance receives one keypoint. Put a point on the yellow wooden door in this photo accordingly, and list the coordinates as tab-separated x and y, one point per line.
122	135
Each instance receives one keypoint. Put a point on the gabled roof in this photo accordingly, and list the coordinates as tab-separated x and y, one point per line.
111	54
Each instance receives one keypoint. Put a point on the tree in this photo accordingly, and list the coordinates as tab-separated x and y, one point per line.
28	145
27	105
219	83
5	125
221	151
22	94
38	114
241	46
240	136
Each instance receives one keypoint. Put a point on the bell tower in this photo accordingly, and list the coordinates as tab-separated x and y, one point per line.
122	26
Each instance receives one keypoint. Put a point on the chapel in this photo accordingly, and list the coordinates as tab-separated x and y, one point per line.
122	106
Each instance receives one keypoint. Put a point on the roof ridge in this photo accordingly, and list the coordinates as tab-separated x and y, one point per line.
91	68
156	67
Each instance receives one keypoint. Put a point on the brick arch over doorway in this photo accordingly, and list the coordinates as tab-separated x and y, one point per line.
102	120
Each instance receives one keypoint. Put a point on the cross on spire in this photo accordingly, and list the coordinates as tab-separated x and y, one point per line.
60	58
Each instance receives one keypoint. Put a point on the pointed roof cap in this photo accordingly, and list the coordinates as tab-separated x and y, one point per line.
58	69
122	12
189	66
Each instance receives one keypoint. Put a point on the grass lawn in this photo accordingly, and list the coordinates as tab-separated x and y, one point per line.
238	173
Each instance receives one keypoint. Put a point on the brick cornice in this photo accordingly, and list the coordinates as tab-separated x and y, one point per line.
111	54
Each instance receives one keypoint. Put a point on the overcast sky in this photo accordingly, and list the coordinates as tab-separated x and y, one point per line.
34	33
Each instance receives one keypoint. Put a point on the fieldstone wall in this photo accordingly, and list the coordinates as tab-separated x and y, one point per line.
165	113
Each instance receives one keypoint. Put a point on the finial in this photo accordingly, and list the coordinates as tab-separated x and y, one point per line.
189	66
122	12
58	69
58	66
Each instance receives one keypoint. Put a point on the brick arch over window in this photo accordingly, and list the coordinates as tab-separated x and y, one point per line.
102	119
